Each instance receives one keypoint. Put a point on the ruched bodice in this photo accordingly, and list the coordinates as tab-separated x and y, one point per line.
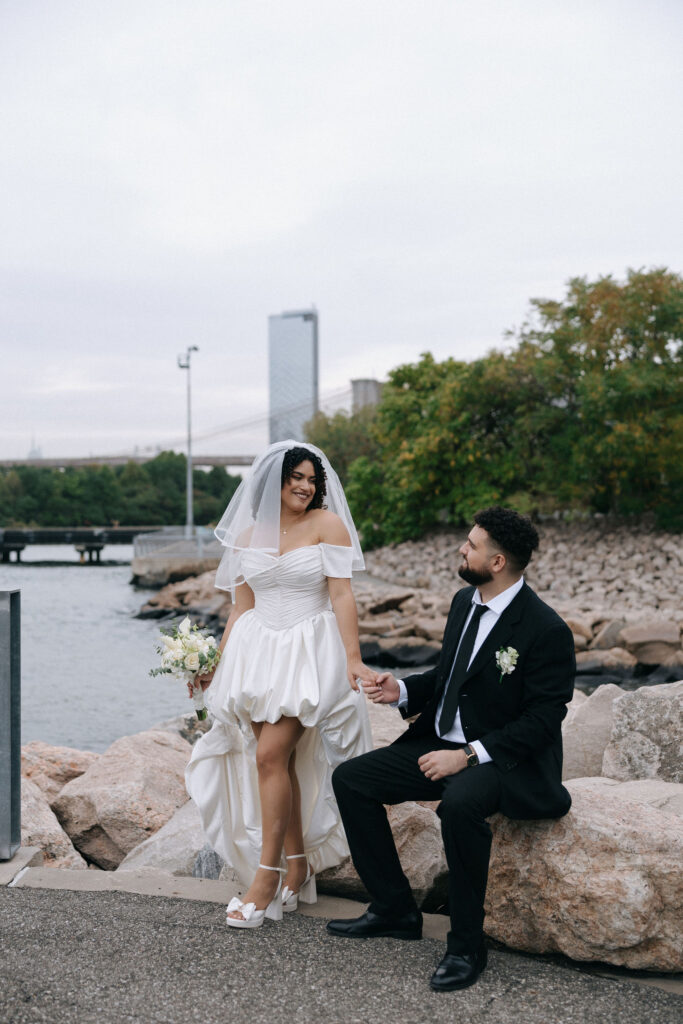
287	589
284	656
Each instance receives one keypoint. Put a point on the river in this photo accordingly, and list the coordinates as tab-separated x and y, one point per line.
84	658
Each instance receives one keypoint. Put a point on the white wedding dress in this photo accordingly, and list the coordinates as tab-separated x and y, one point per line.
283	657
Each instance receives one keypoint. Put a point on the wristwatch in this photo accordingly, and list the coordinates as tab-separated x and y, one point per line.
471	755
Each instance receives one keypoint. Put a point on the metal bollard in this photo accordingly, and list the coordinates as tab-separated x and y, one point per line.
10	723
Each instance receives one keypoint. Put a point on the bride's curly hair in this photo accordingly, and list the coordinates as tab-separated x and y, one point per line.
293	458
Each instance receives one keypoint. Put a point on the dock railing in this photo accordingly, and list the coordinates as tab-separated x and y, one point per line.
10	723
171	542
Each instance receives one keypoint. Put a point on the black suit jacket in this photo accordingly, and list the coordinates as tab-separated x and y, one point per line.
518	718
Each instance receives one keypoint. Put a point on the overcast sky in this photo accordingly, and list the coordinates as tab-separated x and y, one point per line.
173	171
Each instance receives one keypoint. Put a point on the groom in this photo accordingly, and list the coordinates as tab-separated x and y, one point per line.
487	739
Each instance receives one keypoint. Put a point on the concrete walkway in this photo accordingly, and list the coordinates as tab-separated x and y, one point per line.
88	946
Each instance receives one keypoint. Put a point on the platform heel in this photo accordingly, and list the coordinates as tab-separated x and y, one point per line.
251	917
307	892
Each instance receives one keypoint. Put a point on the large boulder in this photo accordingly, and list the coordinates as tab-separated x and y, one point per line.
608	634
646	741
52	767
417	833
586	732
603	883
173	848
39	827
652	642
386	724
125	796
598	660
667	796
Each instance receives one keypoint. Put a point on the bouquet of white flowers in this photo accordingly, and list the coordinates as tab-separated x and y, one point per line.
186	653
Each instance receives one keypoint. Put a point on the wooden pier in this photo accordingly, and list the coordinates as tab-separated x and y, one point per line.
88	541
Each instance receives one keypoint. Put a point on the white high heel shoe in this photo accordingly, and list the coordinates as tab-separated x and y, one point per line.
307	892
251	917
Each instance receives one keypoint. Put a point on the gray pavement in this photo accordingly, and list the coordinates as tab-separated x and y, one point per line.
119	957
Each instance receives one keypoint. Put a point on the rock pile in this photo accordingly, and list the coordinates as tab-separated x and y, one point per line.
603	883
619	588
195	596
596	563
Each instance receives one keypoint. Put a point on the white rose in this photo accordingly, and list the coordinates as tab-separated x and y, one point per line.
192	661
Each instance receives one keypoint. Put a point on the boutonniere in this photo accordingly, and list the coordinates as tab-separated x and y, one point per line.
506	659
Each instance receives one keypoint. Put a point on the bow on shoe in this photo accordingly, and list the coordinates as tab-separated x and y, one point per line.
245	909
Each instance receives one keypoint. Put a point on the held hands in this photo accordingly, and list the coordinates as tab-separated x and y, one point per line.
437	764
357	671
383	689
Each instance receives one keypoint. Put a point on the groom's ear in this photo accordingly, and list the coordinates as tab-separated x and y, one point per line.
498	561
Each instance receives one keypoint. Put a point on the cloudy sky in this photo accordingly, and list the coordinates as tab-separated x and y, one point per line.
173	172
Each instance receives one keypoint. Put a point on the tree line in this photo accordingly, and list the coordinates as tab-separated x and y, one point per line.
582	412
148	494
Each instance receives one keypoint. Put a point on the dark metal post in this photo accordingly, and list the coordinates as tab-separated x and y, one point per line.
10	723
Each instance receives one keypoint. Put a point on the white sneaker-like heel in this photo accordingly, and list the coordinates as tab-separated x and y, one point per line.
251	917
307	892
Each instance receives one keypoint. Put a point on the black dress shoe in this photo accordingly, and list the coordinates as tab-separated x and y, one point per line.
458	970
374	926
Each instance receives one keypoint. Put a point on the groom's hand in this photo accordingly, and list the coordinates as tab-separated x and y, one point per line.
384	689
437	764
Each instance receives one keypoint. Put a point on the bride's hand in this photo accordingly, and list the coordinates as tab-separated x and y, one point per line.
204	682
355	671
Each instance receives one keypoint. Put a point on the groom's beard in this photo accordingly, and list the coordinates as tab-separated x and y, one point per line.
477	579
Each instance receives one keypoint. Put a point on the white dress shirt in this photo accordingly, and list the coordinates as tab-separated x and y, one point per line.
496	606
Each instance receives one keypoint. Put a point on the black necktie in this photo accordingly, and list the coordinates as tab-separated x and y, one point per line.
460	666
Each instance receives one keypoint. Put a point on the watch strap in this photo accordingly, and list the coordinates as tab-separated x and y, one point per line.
471	755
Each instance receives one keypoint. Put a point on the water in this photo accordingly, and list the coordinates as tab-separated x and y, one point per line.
84	658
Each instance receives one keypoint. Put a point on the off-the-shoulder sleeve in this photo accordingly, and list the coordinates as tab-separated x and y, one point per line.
337	560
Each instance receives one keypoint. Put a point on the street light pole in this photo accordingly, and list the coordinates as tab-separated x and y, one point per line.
184	364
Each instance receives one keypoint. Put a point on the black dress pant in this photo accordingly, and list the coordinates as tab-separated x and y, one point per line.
391	776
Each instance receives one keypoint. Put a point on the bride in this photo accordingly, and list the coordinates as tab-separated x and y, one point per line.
285	697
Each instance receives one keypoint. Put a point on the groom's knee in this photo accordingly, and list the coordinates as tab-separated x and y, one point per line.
344	775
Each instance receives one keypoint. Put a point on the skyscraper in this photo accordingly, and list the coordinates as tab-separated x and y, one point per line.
293	372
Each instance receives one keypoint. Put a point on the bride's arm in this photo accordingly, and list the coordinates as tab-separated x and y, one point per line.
344	608
244	600
334	533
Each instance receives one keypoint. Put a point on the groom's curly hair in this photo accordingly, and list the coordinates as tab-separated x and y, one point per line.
293	458
514	534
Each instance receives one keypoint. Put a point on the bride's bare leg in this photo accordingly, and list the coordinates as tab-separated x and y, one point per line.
294	836
275	743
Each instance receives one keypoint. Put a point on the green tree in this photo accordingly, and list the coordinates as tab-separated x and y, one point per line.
583	413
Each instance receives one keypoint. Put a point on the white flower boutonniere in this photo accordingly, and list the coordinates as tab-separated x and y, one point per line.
506	659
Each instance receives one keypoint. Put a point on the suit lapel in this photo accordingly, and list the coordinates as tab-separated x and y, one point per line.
501	632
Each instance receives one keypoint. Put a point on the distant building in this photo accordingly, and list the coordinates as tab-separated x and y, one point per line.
293	372
366	391
36	451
